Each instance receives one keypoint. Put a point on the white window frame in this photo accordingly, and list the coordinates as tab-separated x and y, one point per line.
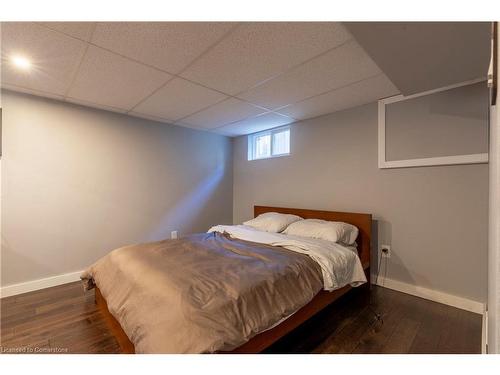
421	162
271	132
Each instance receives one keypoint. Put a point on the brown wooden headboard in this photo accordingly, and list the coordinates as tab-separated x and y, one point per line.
362	221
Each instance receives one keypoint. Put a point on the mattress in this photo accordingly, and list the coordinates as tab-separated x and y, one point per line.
212	291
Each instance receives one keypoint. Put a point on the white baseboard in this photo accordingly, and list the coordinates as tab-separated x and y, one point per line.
433	295
30	286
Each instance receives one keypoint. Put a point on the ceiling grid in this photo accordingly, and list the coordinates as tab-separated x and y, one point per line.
229	78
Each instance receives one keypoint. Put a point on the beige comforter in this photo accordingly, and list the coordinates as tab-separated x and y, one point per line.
202	293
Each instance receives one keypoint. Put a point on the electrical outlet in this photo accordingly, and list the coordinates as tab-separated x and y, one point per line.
385	251
173	234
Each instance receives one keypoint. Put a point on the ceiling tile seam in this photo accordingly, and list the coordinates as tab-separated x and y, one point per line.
151	94
235	122
218	102
326	92
208	106
203	85
209	48
167	122
189	80
212	105
63	33
91	104
218	91
175	75
228	96
160	70
293	67
252	103
296	120
255	116
228	123
337	110
268	109
67	99
65	95
131	59
107	49
77	70
87	103
274	110
316	116
170	122
235	96
175	122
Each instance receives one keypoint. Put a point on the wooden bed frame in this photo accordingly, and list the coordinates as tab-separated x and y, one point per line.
263	340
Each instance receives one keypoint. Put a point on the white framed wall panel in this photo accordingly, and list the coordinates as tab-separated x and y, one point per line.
493	312
420	162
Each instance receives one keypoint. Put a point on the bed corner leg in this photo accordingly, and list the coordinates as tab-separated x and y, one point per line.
368	285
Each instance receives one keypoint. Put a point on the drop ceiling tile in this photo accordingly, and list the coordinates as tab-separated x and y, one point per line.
95	105
80	30
54	57
257	51
177	99
363	92
255	124
31	91
149	117
339	67
166	45
184	125
111	80
223	113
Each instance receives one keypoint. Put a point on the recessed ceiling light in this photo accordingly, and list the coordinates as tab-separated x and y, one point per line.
21	62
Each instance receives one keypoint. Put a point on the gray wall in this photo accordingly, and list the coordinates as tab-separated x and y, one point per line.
435	218
78	182
452	122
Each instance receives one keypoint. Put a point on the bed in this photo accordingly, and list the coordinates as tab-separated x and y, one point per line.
251	324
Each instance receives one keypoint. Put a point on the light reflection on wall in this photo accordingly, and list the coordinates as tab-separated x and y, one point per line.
182	215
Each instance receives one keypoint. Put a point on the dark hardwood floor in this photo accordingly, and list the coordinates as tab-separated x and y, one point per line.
64	319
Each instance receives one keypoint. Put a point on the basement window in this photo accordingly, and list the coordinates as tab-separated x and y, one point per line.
269	143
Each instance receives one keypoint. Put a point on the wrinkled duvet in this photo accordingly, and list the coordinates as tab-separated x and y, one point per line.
207	292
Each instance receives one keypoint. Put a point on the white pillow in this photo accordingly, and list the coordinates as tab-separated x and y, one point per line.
335	231
272	221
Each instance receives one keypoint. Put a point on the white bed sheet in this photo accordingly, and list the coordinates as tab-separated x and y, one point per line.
340	264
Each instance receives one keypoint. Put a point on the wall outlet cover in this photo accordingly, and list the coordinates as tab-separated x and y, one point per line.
385	251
